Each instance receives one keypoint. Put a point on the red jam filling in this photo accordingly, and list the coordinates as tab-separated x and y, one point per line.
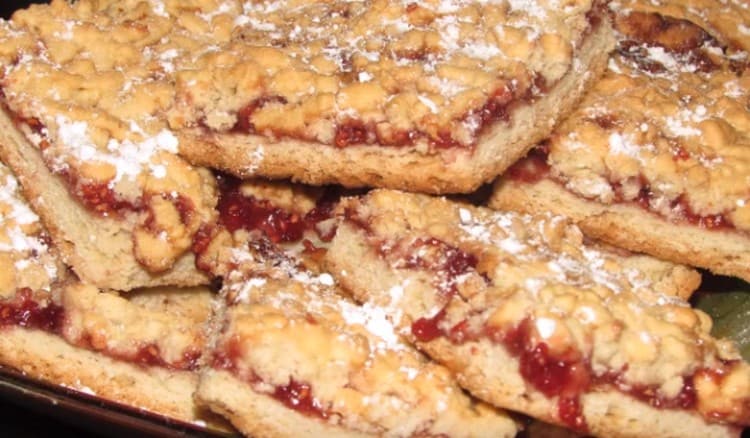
352	132
298	396
245	114
446	262
534	168
295	395
428	329
146	355
237	211
565	376
531	169
98	197
357	132
24	311
150	355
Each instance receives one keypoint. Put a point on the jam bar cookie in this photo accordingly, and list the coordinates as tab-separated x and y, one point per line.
433	96
657	157
141	352
532	318
80	127
292	357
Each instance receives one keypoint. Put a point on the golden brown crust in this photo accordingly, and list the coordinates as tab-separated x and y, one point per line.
403	167
631	227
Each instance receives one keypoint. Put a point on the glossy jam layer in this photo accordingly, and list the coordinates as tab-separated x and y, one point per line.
237	211
447	263
565	375
299	396
295	395
24	311
146	355
351	131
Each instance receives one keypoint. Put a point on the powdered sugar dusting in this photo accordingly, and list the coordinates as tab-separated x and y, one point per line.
128	157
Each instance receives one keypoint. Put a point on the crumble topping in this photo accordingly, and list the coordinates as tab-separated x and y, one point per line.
85	86
25	257
532	284
667	127
381	72
288	329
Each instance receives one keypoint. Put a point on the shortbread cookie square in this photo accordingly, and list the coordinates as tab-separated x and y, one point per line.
532	318
657	157
142	351
291	356
427	96
81	128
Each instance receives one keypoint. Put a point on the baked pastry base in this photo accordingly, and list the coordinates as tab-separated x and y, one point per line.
49	358
454	170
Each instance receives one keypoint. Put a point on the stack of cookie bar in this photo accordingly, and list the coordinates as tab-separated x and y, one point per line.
271	212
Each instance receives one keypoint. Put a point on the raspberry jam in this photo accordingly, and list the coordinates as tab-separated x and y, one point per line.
531	169
23	311
150	355
565	375
98	197
237	211
295	395
427	329
298	396
446	262
535	168
244	115
351	132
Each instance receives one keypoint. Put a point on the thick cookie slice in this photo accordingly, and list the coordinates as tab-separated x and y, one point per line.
292	357
532	318
79	126
657	157
141	351
421	95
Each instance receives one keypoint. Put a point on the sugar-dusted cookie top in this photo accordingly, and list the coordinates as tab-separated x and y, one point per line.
577	318
26	259
81	83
